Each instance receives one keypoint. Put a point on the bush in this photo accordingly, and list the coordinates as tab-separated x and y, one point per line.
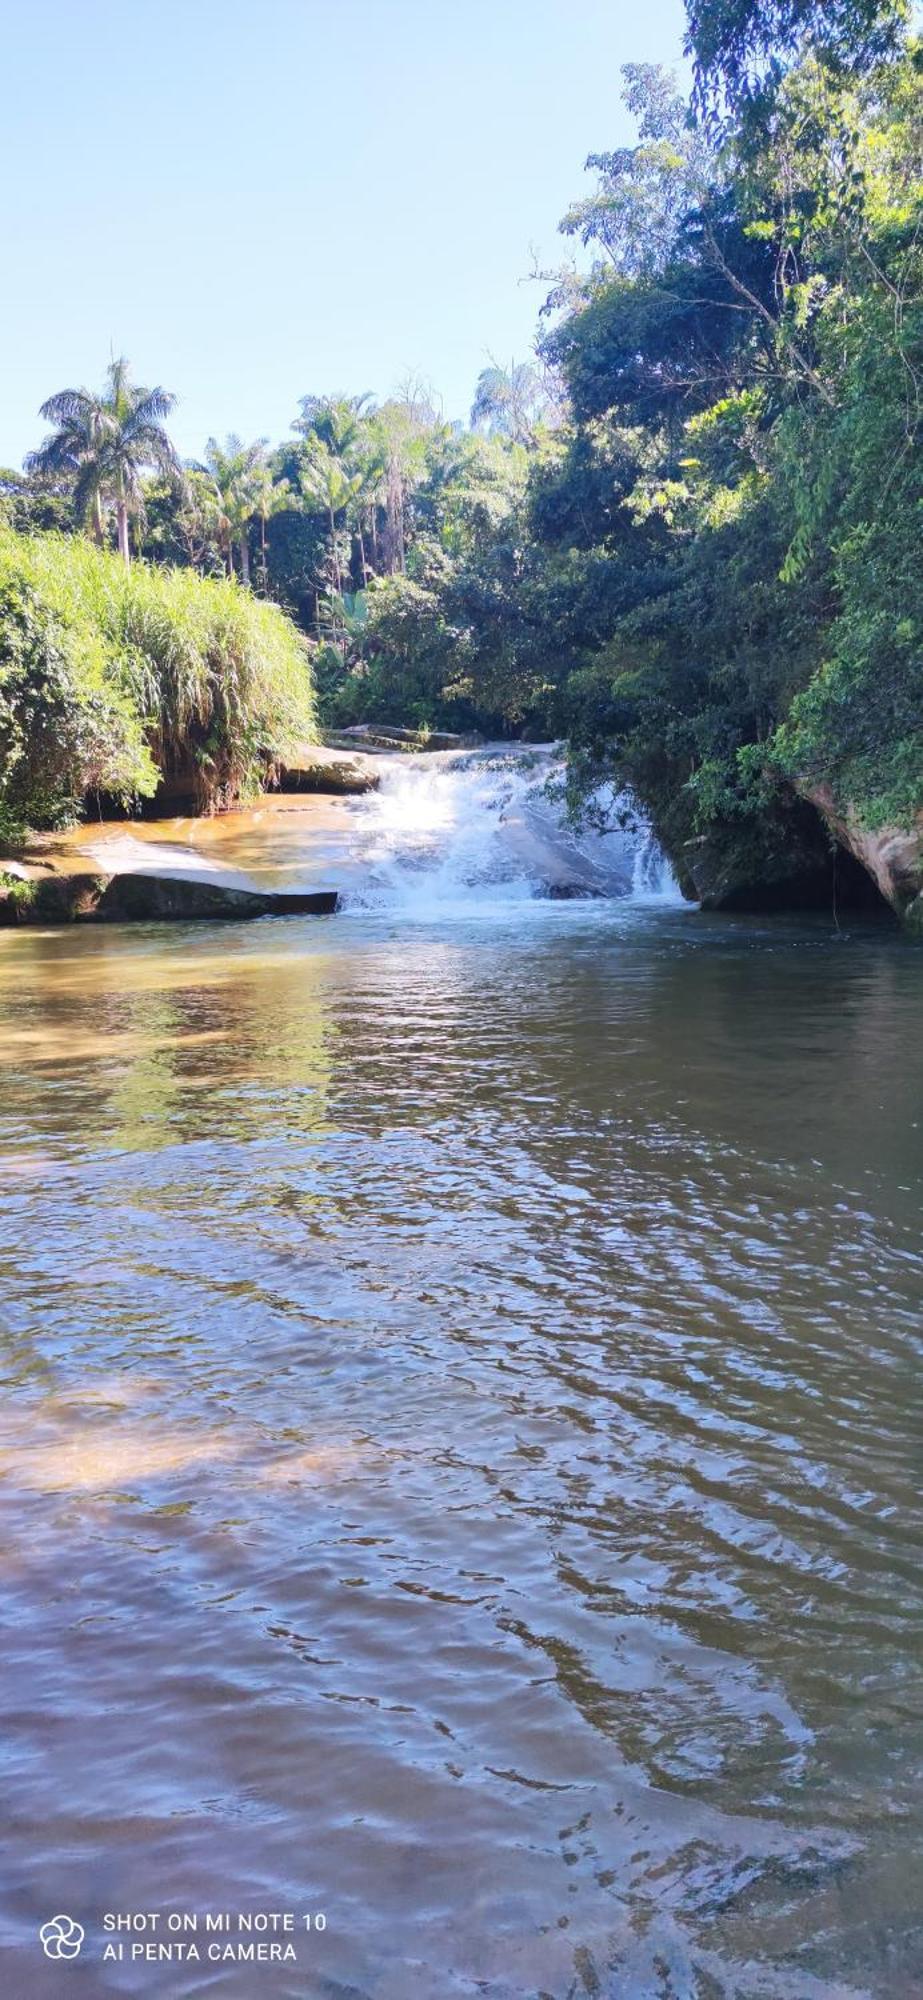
66	724
110	677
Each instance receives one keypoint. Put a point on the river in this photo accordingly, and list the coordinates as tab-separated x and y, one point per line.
461	1437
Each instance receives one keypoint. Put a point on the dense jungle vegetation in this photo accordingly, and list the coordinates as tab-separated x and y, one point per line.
685	535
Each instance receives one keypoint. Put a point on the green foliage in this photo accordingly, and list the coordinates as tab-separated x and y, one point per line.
745	459
508	402
643	192
741	46
224	497
109	675
67	725
33	506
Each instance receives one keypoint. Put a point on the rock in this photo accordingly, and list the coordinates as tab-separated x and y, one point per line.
323	768
54	899
442	739
570	892
127	899
179	899
892	856
777	862
21	871
389	736
726	874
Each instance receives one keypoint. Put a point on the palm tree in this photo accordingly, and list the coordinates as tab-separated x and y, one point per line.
236	474
339	431
402	431
328	485
338	421
198	520
272	496
507	401
104	444
72	452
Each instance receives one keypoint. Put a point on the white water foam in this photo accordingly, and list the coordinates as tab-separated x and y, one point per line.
652	878
462	829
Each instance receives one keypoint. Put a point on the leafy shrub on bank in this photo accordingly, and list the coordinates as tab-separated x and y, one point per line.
67	723
110	676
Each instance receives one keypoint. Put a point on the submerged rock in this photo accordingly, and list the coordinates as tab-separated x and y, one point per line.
570	892
176	898
142	898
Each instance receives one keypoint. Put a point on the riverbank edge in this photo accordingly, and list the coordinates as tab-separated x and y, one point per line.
58	899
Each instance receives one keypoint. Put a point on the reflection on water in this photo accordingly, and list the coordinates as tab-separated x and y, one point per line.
459	1460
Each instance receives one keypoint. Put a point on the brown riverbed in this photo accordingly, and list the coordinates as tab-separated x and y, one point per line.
281	838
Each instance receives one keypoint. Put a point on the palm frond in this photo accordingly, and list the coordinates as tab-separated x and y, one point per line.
154	406
59	453
148	439
68	405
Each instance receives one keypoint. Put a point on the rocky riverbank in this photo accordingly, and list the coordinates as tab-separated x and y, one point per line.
147	898
805	853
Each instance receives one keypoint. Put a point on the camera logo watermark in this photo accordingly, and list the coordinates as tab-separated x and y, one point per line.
61	1937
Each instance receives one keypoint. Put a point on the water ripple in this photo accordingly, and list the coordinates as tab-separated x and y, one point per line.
460	1453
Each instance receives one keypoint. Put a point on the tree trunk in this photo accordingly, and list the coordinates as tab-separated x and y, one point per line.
122	517
244	547
395	518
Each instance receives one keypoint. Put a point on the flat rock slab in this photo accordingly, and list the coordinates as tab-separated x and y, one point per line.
386	736
323	768
132	899
170	898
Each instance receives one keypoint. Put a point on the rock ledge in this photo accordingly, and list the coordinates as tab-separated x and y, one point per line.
133	899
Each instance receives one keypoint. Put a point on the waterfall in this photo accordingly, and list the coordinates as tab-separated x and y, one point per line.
652	878
467	827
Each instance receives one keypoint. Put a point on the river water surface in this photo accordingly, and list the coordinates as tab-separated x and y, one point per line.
459	1459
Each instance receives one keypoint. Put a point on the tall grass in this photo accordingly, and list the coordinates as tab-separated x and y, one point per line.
187	675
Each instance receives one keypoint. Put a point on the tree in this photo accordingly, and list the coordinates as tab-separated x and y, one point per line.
729	529
508	401
741	47
236	476
72	453
104	444
712	273
327	484
402	432
271	496
643	192
342	462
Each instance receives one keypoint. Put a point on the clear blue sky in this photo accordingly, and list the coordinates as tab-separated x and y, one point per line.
258	199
